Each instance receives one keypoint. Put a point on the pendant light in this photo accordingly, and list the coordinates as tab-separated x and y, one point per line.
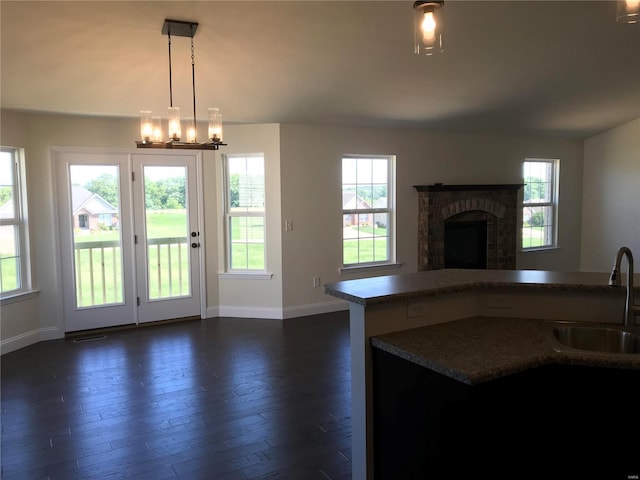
427	27
150	128
628	11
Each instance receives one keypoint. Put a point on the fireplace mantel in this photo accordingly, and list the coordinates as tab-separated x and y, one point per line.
441	187
497	204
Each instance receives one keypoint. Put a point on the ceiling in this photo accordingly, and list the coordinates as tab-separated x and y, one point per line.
514	67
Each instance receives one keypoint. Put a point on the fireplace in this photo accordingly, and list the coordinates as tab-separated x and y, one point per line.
488	213
465	244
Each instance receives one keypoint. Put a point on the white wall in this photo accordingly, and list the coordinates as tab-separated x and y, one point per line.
611	196
311	197
244	296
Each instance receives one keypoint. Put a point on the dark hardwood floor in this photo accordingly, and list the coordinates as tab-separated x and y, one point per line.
215	399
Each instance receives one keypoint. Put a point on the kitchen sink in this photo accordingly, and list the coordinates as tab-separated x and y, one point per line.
595	338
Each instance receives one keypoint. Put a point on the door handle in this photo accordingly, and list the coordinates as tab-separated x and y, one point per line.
195	245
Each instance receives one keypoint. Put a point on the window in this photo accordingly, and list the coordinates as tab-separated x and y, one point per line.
540	204
367	210
245	212
14	267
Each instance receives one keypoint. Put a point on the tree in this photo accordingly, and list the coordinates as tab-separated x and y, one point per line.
105	185
6	194
166	194
534	189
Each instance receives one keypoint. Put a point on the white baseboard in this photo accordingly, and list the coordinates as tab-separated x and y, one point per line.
29	338
277	313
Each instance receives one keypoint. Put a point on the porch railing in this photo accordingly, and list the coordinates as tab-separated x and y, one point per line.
98	267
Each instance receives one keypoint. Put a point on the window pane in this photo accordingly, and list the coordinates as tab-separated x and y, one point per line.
364	170
246	184
167	227
247	243
538	178
365	238
537	230
96	235
349	170
9	259
7	184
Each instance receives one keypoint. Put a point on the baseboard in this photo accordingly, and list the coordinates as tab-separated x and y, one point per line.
29	338
277	313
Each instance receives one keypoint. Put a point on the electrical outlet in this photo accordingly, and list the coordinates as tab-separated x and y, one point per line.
497	300
316	282
416	309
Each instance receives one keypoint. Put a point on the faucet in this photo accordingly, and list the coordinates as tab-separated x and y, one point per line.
631	309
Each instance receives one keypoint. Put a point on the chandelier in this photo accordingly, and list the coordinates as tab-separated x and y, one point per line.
151	133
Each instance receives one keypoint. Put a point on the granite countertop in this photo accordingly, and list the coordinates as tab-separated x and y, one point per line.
410	286
479	349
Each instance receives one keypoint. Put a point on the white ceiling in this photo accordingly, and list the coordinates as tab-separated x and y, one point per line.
543	67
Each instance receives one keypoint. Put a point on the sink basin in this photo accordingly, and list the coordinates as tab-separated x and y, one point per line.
598	339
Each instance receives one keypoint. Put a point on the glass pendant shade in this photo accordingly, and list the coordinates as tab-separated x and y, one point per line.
157	129
215	125
146	126
428	27
628	11
174	124
191	130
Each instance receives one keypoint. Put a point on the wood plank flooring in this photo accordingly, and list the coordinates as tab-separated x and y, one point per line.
214	399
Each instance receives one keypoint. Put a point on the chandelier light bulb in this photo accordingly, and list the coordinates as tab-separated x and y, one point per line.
428	27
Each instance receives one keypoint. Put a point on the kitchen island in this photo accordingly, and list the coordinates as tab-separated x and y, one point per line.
395	303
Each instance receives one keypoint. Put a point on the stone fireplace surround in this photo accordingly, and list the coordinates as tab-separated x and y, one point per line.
497	204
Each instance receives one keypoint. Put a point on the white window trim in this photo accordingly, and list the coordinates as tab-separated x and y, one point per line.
390	210
554	204
228	271
22	222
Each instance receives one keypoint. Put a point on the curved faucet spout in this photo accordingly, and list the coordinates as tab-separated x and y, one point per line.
630	307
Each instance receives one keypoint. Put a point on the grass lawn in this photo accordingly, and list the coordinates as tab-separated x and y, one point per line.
364	244
532	236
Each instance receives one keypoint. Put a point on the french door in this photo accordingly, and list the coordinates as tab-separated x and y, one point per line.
129	237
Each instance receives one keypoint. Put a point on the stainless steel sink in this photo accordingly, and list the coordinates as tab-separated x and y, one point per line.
595	338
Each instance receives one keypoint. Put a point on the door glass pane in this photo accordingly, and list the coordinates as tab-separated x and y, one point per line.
95	200
167	228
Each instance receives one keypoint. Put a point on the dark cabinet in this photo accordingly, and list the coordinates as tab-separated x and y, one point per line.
554	421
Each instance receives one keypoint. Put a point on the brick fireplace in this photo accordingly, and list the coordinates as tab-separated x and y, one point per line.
494	208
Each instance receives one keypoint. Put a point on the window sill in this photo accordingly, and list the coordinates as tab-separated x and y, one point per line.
368	268
245	275
19	297
539	249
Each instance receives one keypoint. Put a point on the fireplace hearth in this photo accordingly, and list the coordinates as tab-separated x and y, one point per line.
482	217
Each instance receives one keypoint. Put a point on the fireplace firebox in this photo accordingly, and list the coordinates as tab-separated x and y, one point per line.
465	245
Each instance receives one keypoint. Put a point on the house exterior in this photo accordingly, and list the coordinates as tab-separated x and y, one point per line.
91	211
352	201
